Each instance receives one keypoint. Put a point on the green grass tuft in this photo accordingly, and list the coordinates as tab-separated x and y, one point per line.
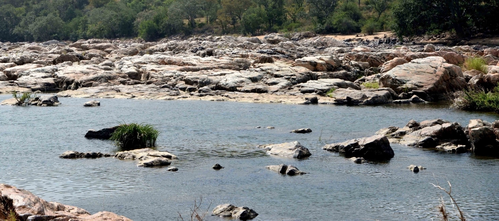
371	85
330	92
135	136
476	63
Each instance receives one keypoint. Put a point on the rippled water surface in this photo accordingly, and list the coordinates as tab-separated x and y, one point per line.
204	133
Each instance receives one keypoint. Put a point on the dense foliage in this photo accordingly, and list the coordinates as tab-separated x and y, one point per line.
461	17
41	20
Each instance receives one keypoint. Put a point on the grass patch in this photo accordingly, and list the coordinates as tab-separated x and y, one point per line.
371	85
330	92
478	100
476	63
134	136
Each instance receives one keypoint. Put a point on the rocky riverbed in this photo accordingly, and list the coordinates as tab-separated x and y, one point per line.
272	69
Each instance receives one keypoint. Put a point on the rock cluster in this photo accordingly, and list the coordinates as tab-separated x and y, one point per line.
479	137
219	68
27	206
229	210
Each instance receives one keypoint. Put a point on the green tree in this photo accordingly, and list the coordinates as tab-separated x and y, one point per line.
463	17
10	17
46	28
114	20
321	9
346	18
253	19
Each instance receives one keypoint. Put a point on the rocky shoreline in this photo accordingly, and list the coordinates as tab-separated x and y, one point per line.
274	69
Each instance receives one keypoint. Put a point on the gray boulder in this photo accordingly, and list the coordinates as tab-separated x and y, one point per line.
374	148
290	150
483	137
76	155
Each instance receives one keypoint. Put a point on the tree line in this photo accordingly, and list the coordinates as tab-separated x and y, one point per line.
41	20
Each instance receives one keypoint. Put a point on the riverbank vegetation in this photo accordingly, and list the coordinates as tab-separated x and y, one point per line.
134	136
478	100
42	20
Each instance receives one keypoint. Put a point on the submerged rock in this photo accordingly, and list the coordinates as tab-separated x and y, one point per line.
229	210
93	103
217	167
76	155
291	150
289	170
302	131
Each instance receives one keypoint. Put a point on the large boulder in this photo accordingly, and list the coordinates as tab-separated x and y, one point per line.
374	148
321	63
431	75
103	134
290	150
483	137
34	208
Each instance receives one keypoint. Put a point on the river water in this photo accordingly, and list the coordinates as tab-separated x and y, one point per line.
202	134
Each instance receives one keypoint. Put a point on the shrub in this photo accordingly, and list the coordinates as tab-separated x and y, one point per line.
369	27
22	99
371	85
476	63
134	136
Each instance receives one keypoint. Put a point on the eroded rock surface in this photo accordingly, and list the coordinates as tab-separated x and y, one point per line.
147	157
31	207
229	210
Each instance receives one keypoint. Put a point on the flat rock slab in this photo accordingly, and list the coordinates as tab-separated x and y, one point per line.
147	157
302	131
362	97
290	150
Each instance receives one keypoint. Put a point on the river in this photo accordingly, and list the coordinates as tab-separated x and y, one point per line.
204	133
